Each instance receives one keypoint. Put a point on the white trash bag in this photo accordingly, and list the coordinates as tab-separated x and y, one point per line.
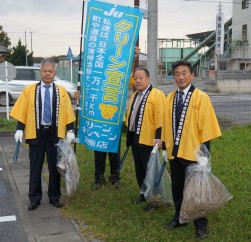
157	190
67	166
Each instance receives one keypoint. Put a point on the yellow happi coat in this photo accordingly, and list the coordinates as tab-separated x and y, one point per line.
24	111
152	117
200	125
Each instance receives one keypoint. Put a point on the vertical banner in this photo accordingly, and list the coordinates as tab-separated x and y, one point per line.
219	42
110	37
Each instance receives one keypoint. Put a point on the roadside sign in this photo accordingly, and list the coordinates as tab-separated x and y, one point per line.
69	54
7	71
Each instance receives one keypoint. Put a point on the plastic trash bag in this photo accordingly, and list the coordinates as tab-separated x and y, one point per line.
203	191
67	166
158	195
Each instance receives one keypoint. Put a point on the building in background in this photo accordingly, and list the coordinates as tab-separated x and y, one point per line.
241	37
64	67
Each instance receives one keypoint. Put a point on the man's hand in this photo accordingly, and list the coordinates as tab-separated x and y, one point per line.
157	142
164	155
76	95
19	136
70	136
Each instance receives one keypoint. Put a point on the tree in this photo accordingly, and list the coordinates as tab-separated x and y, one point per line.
17	55
4	39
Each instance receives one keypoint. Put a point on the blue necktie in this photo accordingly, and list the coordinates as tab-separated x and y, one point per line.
180	105
47	105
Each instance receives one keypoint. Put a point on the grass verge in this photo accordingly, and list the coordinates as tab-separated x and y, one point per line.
110	215
6	125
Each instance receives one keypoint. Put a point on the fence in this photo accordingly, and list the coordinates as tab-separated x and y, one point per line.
232	109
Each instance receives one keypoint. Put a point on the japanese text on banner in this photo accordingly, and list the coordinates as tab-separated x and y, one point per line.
110	37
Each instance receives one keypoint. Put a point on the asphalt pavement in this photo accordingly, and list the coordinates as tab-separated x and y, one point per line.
40	225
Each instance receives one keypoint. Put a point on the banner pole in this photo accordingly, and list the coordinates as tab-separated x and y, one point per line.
79	75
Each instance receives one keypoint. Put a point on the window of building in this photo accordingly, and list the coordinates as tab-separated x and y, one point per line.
244	32
245	4
242	66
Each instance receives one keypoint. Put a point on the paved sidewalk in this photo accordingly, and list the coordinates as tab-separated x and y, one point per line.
44	223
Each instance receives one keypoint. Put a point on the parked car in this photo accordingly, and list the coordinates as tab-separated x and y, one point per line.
27	75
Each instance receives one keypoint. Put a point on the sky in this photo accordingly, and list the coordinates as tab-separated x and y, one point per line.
50	27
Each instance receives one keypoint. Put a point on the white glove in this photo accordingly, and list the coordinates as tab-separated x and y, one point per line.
70	136
19	135
164	155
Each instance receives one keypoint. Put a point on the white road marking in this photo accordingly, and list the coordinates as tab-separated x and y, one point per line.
1	169
8	218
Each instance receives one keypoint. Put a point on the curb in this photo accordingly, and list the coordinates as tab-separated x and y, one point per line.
7	133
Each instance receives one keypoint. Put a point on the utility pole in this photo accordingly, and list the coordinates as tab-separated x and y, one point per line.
152	36
31	39
136	5
26	58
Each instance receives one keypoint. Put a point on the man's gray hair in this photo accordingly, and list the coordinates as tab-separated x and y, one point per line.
48	61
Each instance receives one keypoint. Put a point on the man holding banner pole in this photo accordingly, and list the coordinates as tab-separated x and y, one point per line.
114	157
111	33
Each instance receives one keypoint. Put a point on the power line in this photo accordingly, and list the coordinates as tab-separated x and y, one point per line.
53	35
212	1
59	18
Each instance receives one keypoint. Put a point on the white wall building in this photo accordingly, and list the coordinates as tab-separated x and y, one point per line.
241	36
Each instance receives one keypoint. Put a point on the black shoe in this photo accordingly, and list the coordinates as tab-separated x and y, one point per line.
200	234
97	186
33	206
56	204
140	199
114	180
149	207
116	185
175	224
99	182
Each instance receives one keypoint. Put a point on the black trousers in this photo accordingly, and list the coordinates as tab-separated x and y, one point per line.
141	154
100	164
37	155
178	168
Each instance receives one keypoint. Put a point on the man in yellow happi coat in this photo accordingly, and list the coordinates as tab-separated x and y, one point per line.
44	112
189	121
144	122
